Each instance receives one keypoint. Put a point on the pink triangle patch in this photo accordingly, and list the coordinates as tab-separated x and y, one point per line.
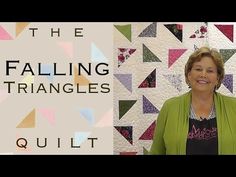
67	47
227	30
4	35
106	120
174	55
48	114
3	95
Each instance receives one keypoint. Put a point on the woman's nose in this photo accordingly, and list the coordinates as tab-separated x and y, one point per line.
203	73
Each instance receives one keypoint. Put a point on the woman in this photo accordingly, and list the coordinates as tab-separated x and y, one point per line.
200	121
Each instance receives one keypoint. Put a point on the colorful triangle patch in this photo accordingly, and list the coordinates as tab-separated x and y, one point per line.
68	48
174	54
150	81
125	80
3	95
148	107
228	82
49	114
106	120
97	55
149	56
88	115
149	31
20	26
176	30
175	80
125	30
126	132
28	79
80	79
81	137
124	54
227	53
124	106
28	121
200	33
149	132
48	69
4	35
227	30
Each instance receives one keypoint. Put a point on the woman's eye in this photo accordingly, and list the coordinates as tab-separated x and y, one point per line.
210	71
198	69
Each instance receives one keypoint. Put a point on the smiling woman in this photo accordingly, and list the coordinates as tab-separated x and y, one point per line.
201	121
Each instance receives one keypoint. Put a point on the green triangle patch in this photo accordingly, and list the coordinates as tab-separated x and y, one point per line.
227	53
125	30
148	56
124	106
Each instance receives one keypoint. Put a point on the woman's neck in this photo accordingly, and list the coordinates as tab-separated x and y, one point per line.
202	98
202	104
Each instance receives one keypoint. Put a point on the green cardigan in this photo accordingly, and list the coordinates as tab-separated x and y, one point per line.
170	135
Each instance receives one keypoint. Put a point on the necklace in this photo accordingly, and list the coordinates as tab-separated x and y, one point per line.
194	116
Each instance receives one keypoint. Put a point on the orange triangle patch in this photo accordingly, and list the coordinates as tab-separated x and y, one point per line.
80	79
28	121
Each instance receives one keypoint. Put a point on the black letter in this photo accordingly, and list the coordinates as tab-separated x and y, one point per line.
58	142
106	70
8	67
20	145
9	82
78	31
25	70
55	70
45	143
72	146
105	88
92	140
33	30
58	32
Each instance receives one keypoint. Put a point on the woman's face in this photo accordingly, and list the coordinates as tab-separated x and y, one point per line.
203	75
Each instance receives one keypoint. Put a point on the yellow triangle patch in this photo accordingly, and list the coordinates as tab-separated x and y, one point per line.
28	121
80	79
20	27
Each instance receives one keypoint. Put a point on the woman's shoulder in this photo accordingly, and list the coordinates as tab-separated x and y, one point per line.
177	99
226	98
